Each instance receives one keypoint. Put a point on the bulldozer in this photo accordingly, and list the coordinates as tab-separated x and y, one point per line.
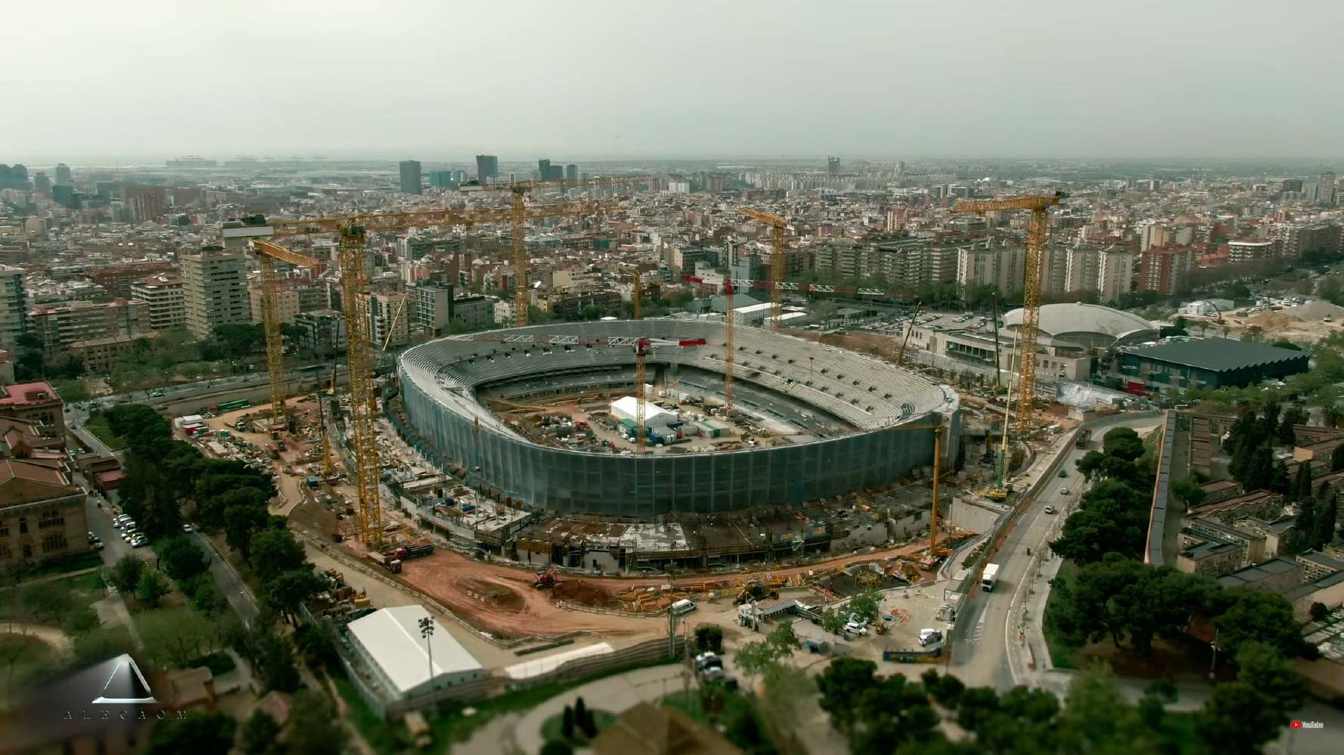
754	590
547	578
996	494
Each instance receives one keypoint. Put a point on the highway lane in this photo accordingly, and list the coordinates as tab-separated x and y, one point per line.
983	631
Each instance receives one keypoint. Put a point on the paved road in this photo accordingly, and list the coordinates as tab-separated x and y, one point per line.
983	632
230	583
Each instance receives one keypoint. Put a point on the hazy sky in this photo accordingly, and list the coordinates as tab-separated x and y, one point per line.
574	79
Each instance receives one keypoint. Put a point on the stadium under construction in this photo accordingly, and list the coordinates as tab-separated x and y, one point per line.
542	418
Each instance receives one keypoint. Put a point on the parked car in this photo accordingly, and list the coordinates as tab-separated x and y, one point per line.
186	527
929	637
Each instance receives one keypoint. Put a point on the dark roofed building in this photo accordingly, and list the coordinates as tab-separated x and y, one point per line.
1206	363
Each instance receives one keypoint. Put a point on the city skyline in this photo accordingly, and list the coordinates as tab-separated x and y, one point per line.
1044	81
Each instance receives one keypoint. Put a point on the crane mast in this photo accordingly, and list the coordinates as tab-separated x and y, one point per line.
728	346
640	346
267	253
1038	231
363	401
777	267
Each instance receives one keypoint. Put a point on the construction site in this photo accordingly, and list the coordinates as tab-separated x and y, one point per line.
567	478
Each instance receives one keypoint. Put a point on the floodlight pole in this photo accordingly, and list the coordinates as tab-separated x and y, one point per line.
427	631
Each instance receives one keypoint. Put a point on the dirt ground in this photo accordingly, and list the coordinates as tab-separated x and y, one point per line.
476	591
503	602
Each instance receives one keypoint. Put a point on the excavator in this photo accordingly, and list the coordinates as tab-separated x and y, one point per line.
547	578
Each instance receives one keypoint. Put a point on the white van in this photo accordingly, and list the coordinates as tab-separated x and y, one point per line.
682	607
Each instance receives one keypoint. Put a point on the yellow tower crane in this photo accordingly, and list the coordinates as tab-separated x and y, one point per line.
1038	232
520	212
777	268
640	411
267	254
351	233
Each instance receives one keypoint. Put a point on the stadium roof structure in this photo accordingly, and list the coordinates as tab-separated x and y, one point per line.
1215	354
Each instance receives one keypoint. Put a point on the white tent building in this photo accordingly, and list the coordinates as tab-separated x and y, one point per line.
391	646
655	417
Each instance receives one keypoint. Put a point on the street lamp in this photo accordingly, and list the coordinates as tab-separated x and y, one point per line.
427	631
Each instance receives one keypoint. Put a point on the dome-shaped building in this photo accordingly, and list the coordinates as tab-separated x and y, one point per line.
1084	326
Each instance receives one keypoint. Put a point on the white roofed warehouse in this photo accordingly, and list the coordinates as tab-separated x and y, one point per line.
391	662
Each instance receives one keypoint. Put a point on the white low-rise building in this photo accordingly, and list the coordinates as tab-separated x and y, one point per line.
403	663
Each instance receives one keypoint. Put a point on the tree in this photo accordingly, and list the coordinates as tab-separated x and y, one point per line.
198	734
584	719
709	637
890	712
782	639
241	523
977	704
315	728
1189	492
1302	488
151	587
1096	718
1319	612
274	552
1123	442
567	723
833	621
1255	616
1292	416
259	733
126	573
1260	470
945	688
316	643
1090	464
1236	720
866	605
1337	458
205	596
175	637
1327	519
270	653
842	684
556	747
286	592
182	558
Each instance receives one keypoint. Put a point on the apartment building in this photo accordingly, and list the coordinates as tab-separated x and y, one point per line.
164	299
117	280
1082	266
287	305
439	311
389	320
1296	238
1115	273
214	284
13	307
60	327
1165	270
989	264
1244	252
323	330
